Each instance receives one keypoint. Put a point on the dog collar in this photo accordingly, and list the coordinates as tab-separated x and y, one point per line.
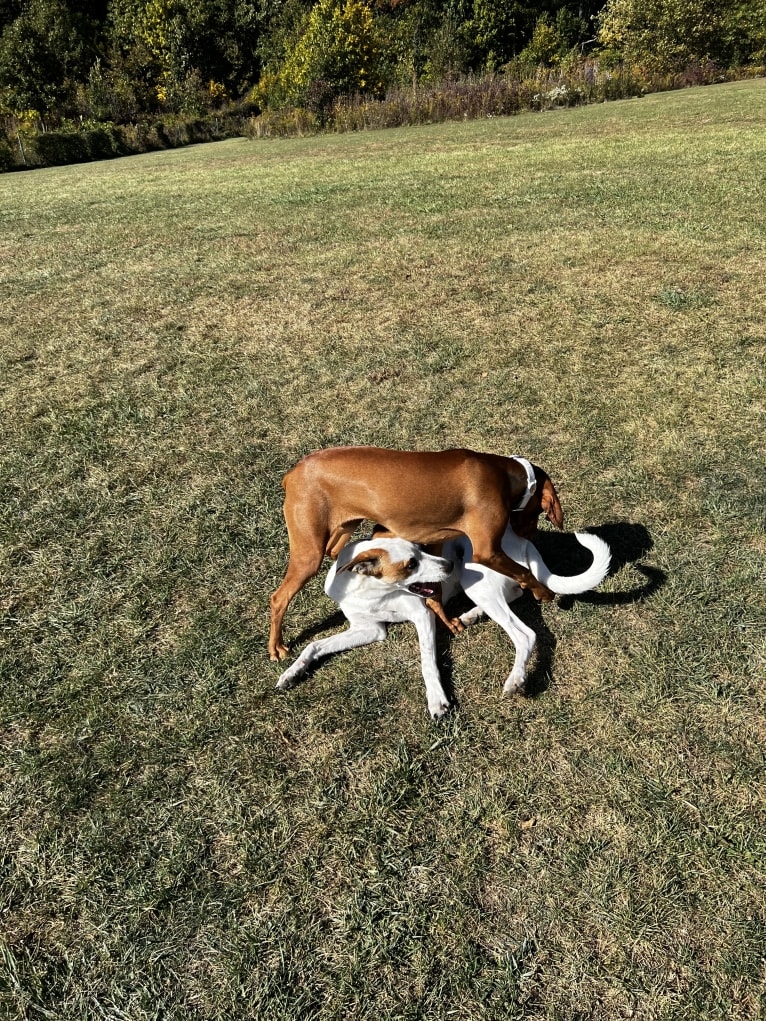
531	481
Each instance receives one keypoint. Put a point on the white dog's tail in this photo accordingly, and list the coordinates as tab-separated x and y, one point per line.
570	585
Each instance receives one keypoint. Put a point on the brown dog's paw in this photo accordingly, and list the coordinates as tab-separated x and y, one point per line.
279	652
453	624
542	593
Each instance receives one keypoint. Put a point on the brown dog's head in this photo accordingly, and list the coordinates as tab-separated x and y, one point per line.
544	500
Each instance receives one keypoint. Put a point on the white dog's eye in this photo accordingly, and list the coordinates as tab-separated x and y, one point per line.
412	564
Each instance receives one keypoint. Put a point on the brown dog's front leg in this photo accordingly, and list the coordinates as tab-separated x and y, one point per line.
453	624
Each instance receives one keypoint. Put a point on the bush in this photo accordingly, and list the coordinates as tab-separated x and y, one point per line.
492	95
80	143
281	123
70	145
104	142
54	148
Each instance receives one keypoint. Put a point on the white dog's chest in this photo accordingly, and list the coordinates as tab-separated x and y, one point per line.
397	606
360	597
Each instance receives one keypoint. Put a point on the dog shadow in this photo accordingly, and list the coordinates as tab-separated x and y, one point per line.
628	543
334	622
527	609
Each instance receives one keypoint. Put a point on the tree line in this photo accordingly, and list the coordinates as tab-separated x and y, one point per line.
121	60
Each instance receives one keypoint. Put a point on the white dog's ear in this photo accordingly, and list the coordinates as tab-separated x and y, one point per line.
369	567
367	562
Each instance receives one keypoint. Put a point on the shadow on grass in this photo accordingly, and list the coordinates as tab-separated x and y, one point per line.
627	541
333	622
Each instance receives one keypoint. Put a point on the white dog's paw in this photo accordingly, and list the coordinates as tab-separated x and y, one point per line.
289	679
439	708
471	616
515	684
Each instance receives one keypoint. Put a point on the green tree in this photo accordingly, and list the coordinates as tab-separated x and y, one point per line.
498	29
41	54
553	38
545	46
181	51
744	32
502	29
9	11
664	35
337	53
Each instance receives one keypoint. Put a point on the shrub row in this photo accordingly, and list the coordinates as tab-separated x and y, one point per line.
81	143
492	95
466	98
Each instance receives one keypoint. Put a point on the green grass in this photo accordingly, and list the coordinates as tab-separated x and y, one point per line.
585	287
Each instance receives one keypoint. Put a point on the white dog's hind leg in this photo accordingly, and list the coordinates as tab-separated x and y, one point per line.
357	635
482	587
471	616
523	638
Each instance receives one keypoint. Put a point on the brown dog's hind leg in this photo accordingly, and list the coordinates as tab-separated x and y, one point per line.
308	534
488	551
503	564
298	573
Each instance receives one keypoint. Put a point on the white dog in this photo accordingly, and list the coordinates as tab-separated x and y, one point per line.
383	580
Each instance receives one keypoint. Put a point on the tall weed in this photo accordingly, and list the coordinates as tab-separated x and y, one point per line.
492	95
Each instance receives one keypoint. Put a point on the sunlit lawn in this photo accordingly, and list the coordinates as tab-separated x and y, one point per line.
585	287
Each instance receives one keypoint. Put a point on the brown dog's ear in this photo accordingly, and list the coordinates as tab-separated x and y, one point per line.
550	503
366	562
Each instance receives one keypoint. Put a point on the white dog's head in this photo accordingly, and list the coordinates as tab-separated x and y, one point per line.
396	562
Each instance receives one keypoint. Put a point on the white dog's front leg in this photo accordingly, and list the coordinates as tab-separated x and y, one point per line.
357	635
438	703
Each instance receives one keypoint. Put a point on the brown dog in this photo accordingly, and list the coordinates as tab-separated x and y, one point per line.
422	496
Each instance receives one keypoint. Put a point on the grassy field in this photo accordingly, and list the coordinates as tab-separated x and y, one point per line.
179	841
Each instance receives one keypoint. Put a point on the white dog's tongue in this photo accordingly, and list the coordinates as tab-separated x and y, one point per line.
421	589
